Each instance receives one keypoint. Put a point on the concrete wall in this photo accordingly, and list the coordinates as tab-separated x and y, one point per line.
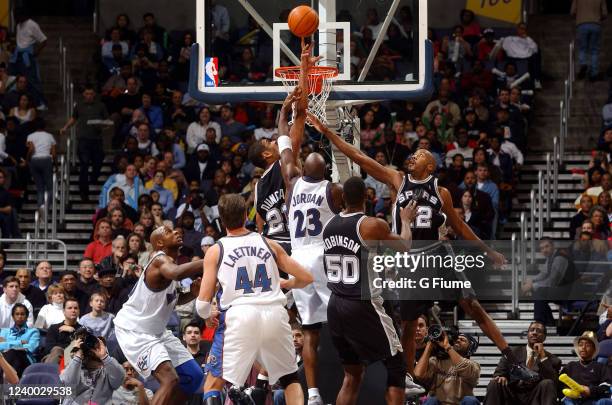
180	14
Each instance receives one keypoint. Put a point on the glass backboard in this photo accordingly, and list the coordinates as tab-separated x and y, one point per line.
241	42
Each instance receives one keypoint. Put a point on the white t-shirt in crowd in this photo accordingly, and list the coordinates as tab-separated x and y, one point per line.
267	133
43	141
29	33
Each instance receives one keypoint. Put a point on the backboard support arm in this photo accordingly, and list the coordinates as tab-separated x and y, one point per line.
378	42
268	30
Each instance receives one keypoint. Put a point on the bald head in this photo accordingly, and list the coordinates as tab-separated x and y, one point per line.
314	166
431	160
157	237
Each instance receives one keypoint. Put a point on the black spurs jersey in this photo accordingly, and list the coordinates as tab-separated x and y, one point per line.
429	212
270	204
343	254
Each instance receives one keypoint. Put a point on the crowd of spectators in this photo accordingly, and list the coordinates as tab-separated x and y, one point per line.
177	157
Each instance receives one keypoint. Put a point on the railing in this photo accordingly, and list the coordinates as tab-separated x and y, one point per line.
37	249
96	17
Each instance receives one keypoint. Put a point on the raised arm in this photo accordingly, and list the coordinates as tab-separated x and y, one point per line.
301	276
172	271
463	230
389	176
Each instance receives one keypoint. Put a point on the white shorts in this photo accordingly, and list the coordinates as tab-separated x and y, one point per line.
311	301
146	352
249	333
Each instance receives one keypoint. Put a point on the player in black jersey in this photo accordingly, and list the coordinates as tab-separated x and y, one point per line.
270	190
421	167
361	330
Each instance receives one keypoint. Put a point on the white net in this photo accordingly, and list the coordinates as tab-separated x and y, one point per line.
320	80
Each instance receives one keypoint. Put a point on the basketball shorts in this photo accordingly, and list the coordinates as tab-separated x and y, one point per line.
249	333
362	331
311	301
419	301
146	352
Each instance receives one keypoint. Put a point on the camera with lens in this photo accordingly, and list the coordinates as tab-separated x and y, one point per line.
89	340
435	333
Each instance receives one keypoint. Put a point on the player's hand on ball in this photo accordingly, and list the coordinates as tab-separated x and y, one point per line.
409	212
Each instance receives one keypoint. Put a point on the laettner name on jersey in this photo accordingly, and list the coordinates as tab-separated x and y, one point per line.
307	198
273	199
246	251
407	196
343	242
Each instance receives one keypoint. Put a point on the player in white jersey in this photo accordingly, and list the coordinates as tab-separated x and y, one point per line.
253	322
140	325
311	202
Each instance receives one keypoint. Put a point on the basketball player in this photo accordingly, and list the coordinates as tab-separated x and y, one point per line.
270	205
140	325
311	202
253	324
361	330
431	214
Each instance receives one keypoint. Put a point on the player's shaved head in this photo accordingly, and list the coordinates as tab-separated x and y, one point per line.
157	236
431	160
314	166
354	192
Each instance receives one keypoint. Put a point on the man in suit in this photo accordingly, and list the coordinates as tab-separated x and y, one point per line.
543	391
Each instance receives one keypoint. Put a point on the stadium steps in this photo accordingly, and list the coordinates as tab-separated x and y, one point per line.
553	34
75	232
570	186
81	45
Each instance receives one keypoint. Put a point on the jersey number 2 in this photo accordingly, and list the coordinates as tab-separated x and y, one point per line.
261	280
313	218
276	221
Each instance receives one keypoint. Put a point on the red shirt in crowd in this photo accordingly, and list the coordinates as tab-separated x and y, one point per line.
97	250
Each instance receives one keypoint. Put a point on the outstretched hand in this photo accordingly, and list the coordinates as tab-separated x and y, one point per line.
317	124
291	98
306	57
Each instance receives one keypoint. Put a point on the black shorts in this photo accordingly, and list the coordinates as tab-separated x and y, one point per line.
361	331
287	248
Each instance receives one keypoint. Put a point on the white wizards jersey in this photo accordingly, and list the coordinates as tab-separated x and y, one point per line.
147	310
247	272
309	208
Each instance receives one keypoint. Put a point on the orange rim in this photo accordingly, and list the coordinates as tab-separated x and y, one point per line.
293	72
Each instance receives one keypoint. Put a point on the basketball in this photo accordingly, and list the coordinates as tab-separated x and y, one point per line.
303	21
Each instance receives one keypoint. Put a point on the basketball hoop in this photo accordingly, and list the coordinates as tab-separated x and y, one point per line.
320	80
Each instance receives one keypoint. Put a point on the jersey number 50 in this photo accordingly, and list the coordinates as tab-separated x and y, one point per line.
340	268
261	280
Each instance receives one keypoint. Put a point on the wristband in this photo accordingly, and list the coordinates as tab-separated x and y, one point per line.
203	308
284	142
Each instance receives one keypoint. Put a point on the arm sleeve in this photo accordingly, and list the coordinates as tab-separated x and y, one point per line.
51	340
469	371
41	318
191	136
30	322
114	371
33	342
37	33
72	373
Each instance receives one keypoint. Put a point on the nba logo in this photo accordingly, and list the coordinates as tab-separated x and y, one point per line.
211	75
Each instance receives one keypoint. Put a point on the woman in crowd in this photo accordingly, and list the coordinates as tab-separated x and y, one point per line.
53	312
472	215
24	111
146	220
196	132
370	132
136	247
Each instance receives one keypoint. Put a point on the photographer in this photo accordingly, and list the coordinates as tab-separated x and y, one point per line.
94	374
450	374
